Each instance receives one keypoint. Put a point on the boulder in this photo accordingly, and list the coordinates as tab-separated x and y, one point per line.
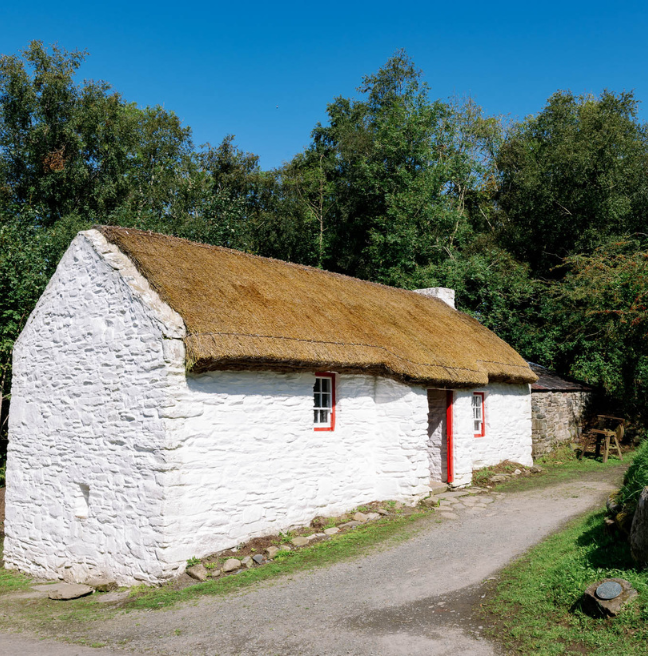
332	531
231	564
285	547
67	591
258	558
300	542
382	511
102	584
247	562
372	516
639	531
360	517
198	572
498	478
593	605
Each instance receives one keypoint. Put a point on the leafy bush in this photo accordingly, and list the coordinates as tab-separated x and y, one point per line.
636	477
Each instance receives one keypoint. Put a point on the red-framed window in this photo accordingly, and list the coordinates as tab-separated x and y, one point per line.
479	416
324	401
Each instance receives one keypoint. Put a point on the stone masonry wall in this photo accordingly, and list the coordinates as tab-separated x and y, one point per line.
245	461
85	456
556	418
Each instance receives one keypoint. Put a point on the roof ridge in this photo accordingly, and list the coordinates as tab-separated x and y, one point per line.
238	253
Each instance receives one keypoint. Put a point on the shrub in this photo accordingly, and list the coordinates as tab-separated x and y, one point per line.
636	477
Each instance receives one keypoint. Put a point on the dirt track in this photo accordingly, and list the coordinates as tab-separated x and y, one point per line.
414	598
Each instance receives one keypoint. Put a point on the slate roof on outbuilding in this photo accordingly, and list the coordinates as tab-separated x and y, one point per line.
243	311
548	381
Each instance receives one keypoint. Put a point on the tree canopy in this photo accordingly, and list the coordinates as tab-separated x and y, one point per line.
539	224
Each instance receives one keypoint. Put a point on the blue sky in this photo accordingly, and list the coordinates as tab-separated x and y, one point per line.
265	71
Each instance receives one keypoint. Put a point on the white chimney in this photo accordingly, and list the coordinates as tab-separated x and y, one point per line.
442	293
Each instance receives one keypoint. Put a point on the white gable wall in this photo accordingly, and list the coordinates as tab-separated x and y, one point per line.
89	379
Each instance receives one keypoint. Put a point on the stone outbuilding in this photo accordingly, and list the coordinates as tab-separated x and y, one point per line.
559	407
172	399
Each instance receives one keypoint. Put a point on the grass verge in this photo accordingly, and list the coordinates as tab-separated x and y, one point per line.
558	466
53	617
341	547
535	608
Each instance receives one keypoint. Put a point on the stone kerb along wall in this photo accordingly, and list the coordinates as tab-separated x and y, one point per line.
244	459
85	450
557	417
507	410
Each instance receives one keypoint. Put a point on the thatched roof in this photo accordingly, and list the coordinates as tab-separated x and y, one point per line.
242	311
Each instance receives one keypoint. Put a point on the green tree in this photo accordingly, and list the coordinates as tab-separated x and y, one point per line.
601	307
572	177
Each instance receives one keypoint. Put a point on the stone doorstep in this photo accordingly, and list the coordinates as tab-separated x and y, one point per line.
456	493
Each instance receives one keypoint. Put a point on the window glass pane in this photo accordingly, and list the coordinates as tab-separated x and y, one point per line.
326	384
316	417
326	401
317	384
323	416
476	400
318	400
477	426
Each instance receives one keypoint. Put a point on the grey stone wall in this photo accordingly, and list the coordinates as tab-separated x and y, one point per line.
556	418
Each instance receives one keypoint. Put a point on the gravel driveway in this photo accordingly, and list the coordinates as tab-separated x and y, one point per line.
411	599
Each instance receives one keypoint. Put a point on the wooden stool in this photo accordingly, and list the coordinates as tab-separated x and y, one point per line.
606	436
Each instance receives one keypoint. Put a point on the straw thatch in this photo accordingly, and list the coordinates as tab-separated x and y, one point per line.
247	312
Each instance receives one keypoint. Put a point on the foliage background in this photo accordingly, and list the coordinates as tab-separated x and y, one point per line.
539	225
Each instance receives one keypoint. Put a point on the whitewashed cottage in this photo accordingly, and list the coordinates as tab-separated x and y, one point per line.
172	399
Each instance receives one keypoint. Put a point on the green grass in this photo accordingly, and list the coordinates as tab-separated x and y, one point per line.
559	466
636	477
535	608
11	581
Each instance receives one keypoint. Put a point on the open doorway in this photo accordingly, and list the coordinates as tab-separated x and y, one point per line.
440	434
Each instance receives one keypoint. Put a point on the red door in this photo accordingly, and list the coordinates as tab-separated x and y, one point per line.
449	441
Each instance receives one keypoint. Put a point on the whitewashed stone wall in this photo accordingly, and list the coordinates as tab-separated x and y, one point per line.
249	463
507	410
557	417
85	430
